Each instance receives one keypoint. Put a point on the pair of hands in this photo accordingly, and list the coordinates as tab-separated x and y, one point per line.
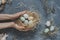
11	24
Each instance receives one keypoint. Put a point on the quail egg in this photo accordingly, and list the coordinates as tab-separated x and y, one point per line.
52	28
48	23
46	30
30	22
22	18
26	16
26	22
30	18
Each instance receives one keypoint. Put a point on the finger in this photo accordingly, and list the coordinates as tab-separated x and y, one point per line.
18	14
12	16
19	27
21	13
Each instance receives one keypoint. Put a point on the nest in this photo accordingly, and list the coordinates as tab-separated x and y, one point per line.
36	20
51	33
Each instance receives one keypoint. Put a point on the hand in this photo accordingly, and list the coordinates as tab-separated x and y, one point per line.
10	25
13	25
11	16
16	15
18	27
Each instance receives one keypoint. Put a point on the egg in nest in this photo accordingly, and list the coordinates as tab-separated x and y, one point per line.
29	20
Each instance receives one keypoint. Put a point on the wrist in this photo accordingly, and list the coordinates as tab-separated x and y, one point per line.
12	25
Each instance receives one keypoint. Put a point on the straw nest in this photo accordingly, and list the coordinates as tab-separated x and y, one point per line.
36	20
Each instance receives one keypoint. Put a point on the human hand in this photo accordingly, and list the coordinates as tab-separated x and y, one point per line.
11	16
12	24
20	27
16	15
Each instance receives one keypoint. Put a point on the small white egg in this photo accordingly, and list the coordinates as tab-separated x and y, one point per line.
30	18
22	18
48	23
26	15
26	22
52	28
46	30
30	22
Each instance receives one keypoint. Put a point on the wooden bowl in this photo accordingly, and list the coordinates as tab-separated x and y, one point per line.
36	20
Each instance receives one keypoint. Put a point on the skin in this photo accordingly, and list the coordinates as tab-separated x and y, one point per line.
11	17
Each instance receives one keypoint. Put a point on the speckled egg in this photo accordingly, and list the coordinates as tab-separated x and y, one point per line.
48	23
46	30
22	18
52	28
26	16
30	22
26	22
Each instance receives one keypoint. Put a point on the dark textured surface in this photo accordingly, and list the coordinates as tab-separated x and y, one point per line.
38	6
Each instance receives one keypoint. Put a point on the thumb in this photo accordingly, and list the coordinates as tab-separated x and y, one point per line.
20	13
14	16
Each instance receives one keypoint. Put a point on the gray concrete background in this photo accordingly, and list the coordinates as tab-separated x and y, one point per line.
37	6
